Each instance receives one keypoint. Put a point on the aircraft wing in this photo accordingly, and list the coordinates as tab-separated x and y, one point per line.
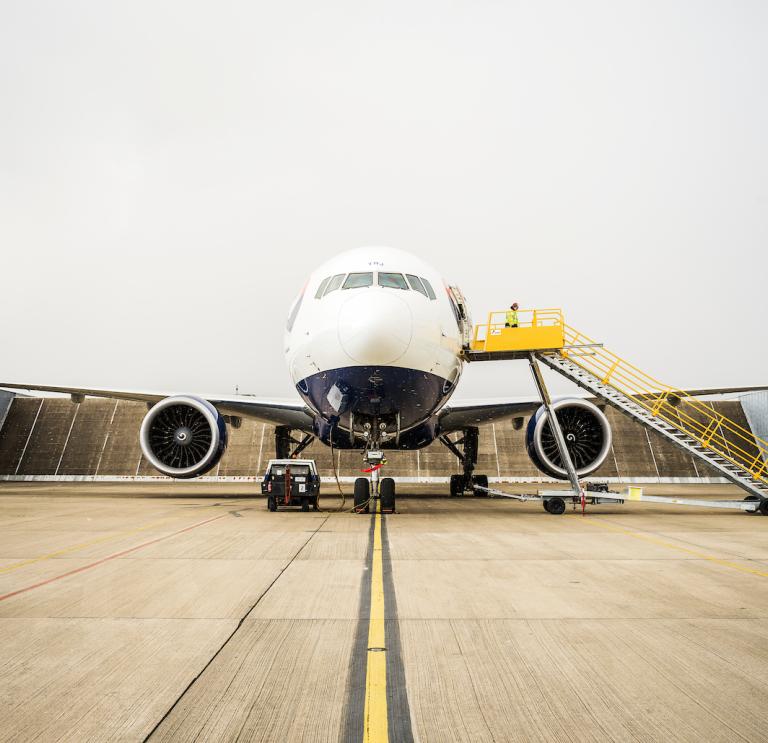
459	414
285	413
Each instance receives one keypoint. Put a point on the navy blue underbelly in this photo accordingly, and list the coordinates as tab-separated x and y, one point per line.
370	393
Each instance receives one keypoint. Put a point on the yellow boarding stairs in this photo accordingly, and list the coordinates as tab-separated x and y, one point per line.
689	423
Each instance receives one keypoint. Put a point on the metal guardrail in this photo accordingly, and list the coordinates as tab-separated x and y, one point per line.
545	331
691	416
536	329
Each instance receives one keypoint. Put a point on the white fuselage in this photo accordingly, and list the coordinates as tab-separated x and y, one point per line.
380	343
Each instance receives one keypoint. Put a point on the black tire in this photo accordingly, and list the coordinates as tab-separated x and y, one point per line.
457	484
482	481
763	507
305	504
545	503
556	506
362	495
387	494
271	503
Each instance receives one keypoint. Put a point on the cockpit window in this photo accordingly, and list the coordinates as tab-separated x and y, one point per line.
416	284
321	288
430	290
392	281
294	311
356	280
334	284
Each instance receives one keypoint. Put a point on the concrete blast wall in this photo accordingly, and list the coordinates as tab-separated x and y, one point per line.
54	437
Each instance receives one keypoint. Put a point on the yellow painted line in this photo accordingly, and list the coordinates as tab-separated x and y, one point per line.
679	548
375	719
84	545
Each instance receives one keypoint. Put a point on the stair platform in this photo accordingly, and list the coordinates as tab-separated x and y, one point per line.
542	335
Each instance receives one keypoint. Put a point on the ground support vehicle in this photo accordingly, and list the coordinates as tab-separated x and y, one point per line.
290	483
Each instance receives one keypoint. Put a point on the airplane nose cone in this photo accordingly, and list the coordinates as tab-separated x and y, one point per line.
375	326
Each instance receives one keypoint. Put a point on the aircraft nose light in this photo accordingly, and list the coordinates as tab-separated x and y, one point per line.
375	327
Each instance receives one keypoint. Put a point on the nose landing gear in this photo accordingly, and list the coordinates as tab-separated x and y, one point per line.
382	489
387	495
362	495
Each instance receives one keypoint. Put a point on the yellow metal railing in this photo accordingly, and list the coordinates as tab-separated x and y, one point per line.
690	415
536	329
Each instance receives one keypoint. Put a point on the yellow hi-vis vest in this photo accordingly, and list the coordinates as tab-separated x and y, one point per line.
512	317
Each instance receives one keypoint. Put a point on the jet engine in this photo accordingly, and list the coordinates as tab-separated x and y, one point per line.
183	436
587	436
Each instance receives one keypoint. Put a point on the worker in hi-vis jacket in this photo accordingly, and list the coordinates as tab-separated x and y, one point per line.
511	317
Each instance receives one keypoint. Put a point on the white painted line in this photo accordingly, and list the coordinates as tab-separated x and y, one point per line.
26	443
695	468
496	448
653	456
615	461
720	430
66	441
261	445
351	479
106	438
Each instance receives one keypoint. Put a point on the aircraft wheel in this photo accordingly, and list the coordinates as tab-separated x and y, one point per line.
457	484
482	481
362	494
271	503
545	503
387	494
556	506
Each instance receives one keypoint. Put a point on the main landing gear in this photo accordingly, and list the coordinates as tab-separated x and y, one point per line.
468	457
284	441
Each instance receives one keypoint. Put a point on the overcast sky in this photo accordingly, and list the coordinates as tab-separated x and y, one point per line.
171	171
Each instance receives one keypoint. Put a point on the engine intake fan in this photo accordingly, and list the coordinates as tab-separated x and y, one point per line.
587	435
183	436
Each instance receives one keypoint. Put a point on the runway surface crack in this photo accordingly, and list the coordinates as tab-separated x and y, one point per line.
236	629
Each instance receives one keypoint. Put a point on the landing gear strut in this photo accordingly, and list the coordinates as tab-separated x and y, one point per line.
284	441
468	458
369	491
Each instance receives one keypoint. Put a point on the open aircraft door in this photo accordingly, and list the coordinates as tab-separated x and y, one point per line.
462	314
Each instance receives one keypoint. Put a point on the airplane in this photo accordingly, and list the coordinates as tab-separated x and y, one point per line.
373	345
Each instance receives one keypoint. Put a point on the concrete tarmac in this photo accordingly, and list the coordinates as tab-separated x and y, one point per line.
189	612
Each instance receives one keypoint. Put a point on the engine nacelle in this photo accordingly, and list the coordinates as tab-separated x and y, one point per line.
183	436
587	435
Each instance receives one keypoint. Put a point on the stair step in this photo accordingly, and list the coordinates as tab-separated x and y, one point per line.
627	404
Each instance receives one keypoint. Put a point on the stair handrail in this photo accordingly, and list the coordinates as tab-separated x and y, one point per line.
665	402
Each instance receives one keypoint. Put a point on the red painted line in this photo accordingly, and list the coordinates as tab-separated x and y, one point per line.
109	557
